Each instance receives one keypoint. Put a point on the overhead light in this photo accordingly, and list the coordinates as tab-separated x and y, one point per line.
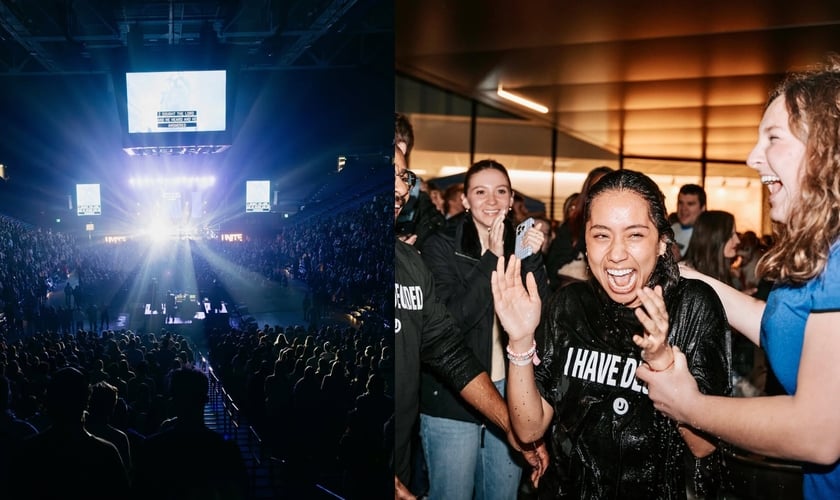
504	94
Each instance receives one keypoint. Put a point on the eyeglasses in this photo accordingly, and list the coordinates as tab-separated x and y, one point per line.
407	176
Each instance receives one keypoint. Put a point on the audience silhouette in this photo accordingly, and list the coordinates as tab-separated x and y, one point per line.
188	460
65	460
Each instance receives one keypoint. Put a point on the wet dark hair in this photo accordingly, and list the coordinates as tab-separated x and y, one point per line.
666	272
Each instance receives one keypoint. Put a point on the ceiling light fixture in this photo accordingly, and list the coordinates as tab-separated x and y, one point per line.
504	94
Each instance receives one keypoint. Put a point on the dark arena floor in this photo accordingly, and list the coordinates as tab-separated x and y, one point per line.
138	300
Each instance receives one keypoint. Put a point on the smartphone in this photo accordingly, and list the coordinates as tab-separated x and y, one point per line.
521	251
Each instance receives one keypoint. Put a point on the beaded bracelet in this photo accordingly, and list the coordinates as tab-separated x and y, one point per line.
524	358
521	362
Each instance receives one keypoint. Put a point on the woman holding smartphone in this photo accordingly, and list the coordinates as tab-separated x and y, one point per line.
467	459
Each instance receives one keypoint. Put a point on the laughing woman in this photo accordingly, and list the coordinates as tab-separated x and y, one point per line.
606	438
796	156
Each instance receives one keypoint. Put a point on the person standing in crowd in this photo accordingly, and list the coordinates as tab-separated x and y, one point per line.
543	225
424	216
425	332
713	245
68	295
711	251
436	195
691	202
569	206
65	460
187	459
518	211
607	439
452	200
796	157
103	401
566	260
105	317
467	458
13	431
750	250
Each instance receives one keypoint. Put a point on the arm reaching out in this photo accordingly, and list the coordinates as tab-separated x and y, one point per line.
744	312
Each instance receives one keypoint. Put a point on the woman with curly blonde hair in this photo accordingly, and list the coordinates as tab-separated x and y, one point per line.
798	158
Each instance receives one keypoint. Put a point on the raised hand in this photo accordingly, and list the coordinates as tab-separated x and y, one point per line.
653	315
518	308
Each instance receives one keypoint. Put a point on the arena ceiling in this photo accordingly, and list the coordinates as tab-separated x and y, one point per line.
300	72
70	36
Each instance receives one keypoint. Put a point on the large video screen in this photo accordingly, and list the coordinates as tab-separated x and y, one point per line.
88	201
176	101
257	196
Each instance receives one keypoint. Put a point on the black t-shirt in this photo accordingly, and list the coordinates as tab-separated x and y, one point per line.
607	440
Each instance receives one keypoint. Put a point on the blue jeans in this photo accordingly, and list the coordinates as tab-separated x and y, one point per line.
467	461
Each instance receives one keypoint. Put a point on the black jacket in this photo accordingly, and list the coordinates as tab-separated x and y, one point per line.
462	282
423	331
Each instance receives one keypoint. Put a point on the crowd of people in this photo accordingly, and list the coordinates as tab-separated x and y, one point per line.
72	381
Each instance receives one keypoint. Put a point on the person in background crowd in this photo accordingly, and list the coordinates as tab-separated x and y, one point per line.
65	460
13	431
103	401
452	200
421	216
566	260
188	460
544	226
713	245
750	249
796	158
569	206
691	202
436	195
606	438
518	211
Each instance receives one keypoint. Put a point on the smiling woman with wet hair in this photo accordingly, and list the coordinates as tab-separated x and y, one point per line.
572	372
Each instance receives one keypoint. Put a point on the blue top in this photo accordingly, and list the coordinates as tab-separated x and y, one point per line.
782	336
